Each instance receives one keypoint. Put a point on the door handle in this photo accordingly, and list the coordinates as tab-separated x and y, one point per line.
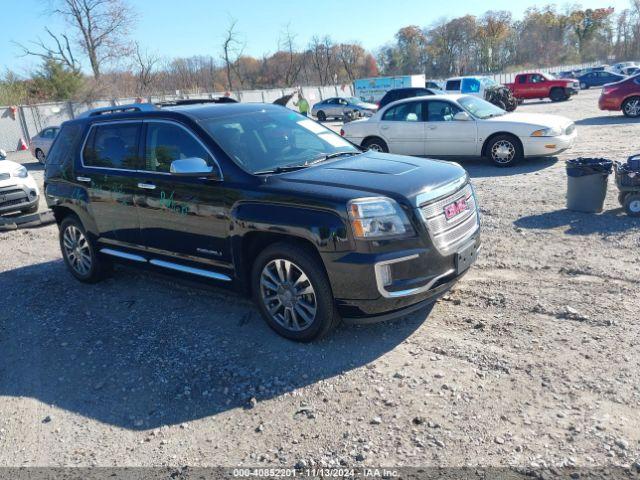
384	127
147	186
83	179
432	127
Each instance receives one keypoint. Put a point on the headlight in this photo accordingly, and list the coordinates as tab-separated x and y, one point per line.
548	132
21	173
377	218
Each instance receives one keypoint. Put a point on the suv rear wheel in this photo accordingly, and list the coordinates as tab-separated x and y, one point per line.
293	293
79	253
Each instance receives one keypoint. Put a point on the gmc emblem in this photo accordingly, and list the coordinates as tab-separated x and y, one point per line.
456	208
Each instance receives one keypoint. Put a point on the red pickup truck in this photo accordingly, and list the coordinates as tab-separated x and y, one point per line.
540	85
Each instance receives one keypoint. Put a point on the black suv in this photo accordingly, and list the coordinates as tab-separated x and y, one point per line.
409	92
269	201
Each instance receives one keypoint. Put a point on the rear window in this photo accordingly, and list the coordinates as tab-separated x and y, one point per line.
113	146
453	85
65	144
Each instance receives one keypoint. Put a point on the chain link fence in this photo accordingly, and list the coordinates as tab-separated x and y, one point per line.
23	123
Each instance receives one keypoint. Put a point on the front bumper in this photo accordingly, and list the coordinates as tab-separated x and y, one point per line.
607	102
547	146
422	276
17	197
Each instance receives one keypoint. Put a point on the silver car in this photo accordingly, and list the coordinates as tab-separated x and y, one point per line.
41	143
337	107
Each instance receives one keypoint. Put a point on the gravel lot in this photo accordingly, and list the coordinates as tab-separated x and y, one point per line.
532	361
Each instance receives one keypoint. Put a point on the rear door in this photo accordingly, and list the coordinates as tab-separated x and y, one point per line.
181	217
402	127
109	163
446	136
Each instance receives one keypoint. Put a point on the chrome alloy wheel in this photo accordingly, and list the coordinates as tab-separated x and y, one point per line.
76	249
374	147
503	151
632	107
634	206
288	295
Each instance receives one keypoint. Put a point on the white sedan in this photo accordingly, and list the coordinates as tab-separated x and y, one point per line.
461	126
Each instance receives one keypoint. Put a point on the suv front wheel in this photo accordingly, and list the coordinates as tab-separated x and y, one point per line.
293	293
79	253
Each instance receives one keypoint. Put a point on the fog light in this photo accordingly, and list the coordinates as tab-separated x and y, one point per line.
385	275
32	194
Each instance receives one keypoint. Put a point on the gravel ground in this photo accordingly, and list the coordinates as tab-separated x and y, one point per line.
532	361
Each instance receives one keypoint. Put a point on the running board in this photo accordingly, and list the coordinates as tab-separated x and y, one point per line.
191	270
126	256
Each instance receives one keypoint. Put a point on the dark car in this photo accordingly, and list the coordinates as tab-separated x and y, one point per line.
598	78
261	198
409	92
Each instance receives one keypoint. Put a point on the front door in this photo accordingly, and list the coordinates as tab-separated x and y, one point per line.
403	128
181	217
110	158
446	136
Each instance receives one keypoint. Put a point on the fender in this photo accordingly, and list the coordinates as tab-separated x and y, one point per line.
324	229
61	195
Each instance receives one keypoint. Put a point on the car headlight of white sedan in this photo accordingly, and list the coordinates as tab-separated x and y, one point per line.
548	132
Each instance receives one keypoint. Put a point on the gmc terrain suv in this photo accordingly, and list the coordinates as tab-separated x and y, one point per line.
269	201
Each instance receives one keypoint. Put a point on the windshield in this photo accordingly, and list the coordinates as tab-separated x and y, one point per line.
268	140
488	82
480	108
355	100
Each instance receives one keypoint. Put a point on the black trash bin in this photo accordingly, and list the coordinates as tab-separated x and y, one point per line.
587	180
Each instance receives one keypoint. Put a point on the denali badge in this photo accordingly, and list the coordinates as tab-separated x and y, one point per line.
455	208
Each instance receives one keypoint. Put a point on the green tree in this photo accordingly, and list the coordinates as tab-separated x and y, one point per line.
54	81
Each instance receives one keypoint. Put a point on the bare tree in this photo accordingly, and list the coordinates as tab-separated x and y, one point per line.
294	63
352	58
61	51
145	63
322	52
99	27
232	49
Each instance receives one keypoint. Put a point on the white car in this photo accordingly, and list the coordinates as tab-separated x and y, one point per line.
18	190
461	126
620	67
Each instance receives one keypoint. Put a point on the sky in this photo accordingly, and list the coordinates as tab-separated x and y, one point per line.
196	27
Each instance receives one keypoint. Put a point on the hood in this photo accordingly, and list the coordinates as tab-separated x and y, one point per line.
533	119
373	173
7	166
368	106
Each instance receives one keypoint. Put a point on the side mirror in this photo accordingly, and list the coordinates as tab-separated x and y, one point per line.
3	154
192	167
461	117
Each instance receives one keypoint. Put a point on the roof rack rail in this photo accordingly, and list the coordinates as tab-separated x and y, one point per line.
196	101
131	107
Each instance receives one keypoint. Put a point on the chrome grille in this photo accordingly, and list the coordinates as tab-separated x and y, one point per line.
448	235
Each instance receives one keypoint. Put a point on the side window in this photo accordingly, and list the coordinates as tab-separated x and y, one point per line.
405	112
167	142
453	85
65	145
441	111
47	133
523	78
470	85
113	146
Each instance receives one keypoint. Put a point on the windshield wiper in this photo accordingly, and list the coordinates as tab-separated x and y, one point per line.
286	168
329	156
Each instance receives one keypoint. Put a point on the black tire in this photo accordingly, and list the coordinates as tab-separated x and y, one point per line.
500	104
31	210
632	204
504	158
96	268
621	197
376	144
584	86
322	117
558	95
631	107
40	156
325	318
